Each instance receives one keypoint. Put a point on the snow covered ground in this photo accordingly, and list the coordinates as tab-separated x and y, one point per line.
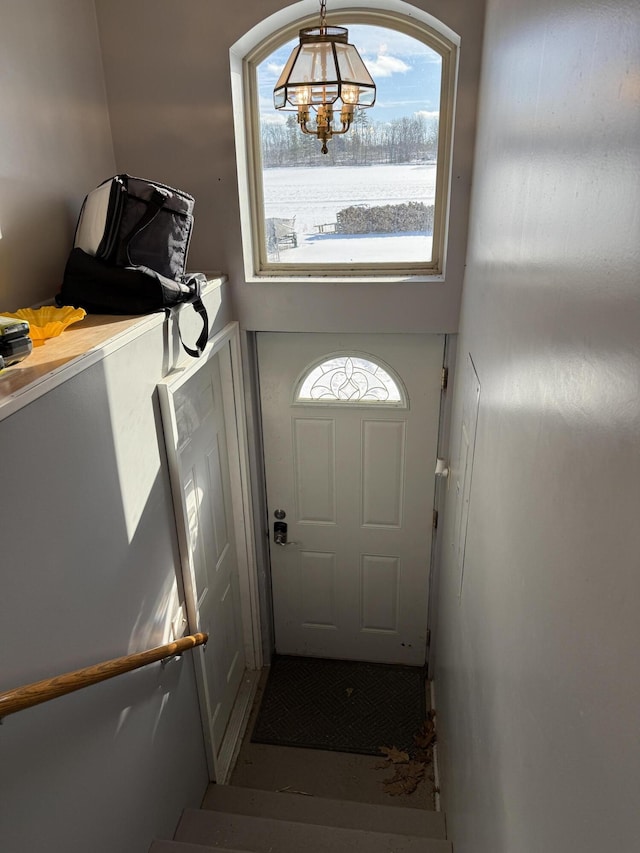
314	195
358	248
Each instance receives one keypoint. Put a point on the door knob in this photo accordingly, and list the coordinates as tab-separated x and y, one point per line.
280	534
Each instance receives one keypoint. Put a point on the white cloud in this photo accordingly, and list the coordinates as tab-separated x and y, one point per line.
273	68
394	103
428	114
384	65
368	40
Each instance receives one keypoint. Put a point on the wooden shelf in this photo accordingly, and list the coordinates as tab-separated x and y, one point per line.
75	341
79	346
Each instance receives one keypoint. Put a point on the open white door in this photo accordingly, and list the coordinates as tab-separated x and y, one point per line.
204	446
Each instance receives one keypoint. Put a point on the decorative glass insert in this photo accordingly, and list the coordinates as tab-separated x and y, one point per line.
349	379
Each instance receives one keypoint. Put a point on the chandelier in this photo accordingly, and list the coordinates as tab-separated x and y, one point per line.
324	80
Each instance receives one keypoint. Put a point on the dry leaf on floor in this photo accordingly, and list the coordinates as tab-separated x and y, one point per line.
396	789
414	769
406	779
425	741
426	737
409	768
394	755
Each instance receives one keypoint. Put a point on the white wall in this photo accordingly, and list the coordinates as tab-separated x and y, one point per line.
538	673
90	571
55	142
169	95
88	549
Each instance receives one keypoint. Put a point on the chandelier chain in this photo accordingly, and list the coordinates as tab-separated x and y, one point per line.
323	14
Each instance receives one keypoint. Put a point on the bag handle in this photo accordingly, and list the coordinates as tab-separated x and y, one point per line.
194	282
154	206
204	334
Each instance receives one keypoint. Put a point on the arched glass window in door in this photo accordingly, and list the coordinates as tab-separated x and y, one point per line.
344	378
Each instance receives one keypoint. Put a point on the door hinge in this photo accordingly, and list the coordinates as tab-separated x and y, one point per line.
435	519
428	637
444	378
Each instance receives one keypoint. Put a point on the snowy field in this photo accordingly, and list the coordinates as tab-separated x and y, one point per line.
314	195
359	249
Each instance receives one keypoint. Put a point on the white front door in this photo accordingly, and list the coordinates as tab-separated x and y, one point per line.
195	416
350	455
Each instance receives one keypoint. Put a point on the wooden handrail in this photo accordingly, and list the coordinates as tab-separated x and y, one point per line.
42	691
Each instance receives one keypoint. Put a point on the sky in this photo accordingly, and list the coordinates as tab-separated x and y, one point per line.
406	73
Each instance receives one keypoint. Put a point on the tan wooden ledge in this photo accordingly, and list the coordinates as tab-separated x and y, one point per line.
42	691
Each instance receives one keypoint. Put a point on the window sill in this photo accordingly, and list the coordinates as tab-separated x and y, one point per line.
337	279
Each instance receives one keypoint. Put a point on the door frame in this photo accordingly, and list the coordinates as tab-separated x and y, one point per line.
226	344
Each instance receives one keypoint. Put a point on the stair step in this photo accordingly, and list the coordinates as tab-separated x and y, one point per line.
185	847
262	835
326	812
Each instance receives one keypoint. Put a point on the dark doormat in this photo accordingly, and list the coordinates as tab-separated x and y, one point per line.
344	706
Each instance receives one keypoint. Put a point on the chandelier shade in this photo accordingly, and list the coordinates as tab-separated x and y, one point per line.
324	74
324	69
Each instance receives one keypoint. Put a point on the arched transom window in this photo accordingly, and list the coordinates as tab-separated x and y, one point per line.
350	378
376	203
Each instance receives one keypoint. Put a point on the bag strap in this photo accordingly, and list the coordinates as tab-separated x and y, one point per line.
204	334
195	281
154	206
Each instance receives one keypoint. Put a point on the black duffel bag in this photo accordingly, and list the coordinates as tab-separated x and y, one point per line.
130	252
129	221
99	288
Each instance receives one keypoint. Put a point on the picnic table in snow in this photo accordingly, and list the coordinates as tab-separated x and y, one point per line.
281	232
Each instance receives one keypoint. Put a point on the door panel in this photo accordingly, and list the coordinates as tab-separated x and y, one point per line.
382	471
379	585
194	419
317	589
356	481
314	466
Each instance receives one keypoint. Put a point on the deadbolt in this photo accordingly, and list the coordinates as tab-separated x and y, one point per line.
280	532
280	514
